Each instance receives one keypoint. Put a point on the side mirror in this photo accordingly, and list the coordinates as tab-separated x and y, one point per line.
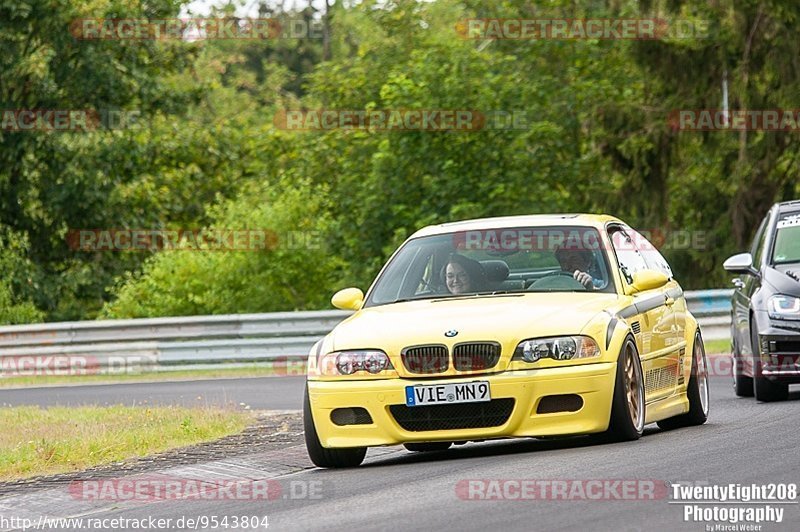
647	280
348	299
741	263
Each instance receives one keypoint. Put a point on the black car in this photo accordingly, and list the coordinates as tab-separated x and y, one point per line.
765	327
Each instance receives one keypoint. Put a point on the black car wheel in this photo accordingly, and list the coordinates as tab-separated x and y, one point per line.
322	457
765	389
696	391
742	384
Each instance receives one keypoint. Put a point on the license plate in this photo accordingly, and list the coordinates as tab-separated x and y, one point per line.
437	394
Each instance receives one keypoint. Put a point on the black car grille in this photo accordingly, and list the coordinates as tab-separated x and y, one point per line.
425	359
476	356
452	417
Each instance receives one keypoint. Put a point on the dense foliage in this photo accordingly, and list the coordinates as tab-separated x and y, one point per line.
205	152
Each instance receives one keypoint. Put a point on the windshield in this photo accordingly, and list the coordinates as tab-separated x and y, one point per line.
787	241
491	262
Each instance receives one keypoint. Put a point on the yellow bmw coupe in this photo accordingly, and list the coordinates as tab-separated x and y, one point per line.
524	326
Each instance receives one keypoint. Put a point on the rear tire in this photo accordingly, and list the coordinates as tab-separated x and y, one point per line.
627	406
696	391
428	446
765	390
321	456
742	384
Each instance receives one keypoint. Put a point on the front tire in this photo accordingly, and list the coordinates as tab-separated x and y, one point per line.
696	391
627	407
321	456
742	384
765	390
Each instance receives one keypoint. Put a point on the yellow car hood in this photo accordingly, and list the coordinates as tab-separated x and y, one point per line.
506	319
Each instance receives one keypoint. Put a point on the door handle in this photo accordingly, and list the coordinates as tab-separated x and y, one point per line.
669	301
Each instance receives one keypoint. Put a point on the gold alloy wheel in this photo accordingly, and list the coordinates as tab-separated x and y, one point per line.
633	387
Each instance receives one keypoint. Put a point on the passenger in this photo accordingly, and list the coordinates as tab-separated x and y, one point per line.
462	275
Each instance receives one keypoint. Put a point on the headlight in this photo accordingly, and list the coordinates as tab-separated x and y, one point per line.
784	307
348	362
557	348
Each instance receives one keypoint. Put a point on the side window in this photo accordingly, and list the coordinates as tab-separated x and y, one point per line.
628	255
654	259
757	250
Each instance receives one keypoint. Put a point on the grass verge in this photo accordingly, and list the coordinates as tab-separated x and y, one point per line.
38	441
714	347
256	370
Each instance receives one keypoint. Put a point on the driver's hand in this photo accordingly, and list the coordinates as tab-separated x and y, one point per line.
584	278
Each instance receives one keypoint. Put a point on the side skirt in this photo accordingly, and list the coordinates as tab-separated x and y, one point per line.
674	405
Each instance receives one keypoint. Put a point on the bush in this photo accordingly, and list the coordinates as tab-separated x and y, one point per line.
286	276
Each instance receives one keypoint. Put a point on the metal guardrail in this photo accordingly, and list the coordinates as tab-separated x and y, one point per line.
712	308
141	344
161	343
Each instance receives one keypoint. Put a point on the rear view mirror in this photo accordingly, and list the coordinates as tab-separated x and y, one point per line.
647	280
348	299
741	263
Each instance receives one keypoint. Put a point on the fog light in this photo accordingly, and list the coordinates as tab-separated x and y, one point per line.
350	416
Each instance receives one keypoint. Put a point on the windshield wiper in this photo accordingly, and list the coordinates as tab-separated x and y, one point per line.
405	299
446	297
481	294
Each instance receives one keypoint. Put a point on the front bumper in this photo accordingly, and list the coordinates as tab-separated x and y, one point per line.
779	345
594	383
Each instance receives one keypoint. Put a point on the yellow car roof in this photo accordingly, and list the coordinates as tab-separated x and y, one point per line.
530	220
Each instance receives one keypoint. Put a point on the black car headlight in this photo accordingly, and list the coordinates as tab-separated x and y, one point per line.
557	348
782	307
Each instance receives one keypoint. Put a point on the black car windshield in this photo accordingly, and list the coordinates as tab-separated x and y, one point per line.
787	241
495	261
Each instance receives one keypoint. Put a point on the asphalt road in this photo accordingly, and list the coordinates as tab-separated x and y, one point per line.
260	393
744	442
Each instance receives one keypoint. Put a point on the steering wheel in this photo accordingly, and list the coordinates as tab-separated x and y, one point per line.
560	272
555	281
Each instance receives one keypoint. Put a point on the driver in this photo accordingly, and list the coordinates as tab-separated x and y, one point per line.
462	275
578	262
